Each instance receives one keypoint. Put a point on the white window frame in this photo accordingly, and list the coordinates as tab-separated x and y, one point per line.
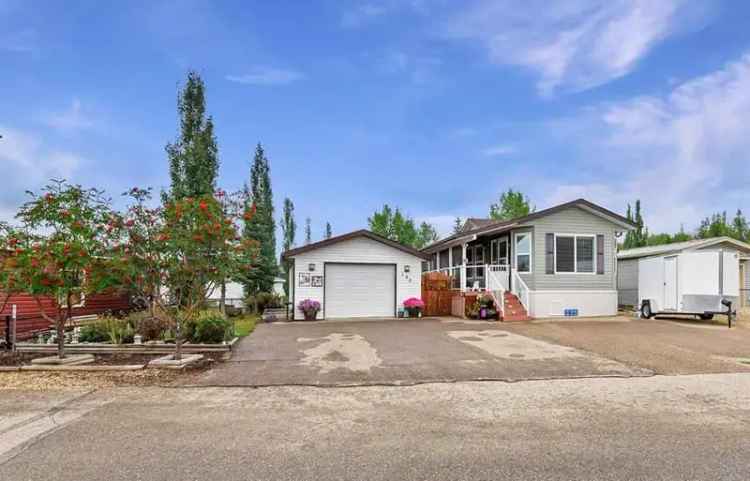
575	254
516	253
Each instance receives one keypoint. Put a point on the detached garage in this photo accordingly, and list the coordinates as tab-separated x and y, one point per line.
355	275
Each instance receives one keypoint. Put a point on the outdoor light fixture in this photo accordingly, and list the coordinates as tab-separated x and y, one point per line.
407	268
311	267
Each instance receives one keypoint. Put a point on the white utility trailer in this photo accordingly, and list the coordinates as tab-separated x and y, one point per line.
701	283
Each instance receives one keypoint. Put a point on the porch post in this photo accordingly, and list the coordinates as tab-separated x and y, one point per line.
463	267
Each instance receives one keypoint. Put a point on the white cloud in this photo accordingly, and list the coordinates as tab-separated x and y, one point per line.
361	14
442	223
267	76
686	154
573	45
72	119
26	161
499	150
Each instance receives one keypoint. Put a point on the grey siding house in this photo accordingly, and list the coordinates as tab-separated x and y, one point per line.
556	262
627	270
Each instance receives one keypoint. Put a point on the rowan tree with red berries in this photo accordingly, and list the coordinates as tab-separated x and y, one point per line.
58	251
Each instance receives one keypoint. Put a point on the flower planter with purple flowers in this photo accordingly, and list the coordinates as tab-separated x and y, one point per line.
309	308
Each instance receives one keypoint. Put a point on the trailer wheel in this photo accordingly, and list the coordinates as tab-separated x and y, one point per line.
646	310
706	317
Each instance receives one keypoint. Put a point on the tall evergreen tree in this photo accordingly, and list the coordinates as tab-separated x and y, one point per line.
457	225
193	157
262	226
740	227
640	233
329	231
289	230
308	231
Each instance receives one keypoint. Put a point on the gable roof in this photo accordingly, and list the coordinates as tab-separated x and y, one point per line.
498	226
352	235
639	252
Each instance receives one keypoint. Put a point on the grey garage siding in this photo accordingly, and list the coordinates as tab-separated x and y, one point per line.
627	282
572	221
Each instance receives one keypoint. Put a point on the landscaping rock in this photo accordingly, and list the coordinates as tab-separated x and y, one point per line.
169	362
70	360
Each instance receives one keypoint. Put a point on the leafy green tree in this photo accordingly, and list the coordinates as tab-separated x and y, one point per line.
681	236
262	225
457	225
329	231
193	157
289	230
715	226
512	204
59	251
394	225
426	235
308	231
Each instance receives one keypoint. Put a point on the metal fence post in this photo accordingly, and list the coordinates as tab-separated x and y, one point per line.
13	323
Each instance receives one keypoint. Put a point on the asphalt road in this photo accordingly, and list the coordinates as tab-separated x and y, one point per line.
655	428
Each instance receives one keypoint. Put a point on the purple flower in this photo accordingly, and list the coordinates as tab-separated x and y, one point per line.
309	305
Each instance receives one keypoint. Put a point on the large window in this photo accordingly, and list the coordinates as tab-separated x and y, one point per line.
523	252
575	254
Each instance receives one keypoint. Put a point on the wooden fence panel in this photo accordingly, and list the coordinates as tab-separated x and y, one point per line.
437	294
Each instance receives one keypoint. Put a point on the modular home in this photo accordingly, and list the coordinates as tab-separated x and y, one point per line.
555	262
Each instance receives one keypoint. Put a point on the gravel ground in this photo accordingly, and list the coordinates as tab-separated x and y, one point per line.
664	346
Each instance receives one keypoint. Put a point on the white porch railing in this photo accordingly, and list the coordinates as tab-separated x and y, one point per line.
476	277
521	290
497	281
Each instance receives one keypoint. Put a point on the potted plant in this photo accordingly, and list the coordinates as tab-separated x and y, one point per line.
485	303
309	308
414	306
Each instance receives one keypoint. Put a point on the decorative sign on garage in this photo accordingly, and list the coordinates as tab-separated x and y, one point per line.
304	279
317	281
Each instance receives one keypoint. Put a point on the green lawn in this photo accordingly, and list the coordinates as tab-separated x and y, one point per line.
244	325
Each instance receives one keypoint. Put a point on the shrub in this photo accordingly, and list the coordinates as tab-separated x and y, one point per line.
148	326
93	333
108	329
264	300
208	327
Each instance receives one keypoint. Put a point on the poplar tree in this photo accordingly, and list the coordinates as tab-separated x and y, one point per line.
289	230
308	231
329	231
261	226
193	157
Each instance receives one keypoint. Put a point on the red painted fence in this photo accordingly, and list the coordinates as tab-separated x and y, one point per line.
31	321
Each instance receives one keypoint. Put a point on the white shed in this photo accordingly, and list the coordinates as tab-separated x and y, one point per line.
686	277
359	274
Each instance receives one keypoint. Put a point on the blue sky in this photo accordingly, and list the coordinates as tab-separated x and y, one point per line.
433	106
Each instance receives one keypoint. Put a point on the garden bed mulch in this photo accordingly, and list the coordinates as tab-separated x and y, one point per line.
42	380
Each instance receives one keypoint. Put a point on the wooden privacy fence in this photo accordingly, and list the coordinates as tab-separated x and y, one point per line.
437	294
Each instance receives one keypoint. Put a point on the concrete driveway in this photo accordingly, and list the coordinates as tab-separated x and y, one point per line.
396	352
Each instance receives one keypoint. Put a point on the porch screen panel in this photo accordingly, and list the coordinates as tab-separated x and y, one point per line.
565	254
584	254
444	258
457	256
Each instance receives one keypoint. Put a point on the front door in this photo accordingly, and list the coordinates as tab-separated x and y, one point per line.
670	283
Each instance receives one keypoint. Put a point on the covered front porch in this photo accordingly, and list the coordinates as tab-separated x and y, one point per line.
486	263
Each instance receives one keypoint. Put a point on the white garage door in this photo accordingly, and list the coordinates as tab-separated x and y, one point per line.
360	290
